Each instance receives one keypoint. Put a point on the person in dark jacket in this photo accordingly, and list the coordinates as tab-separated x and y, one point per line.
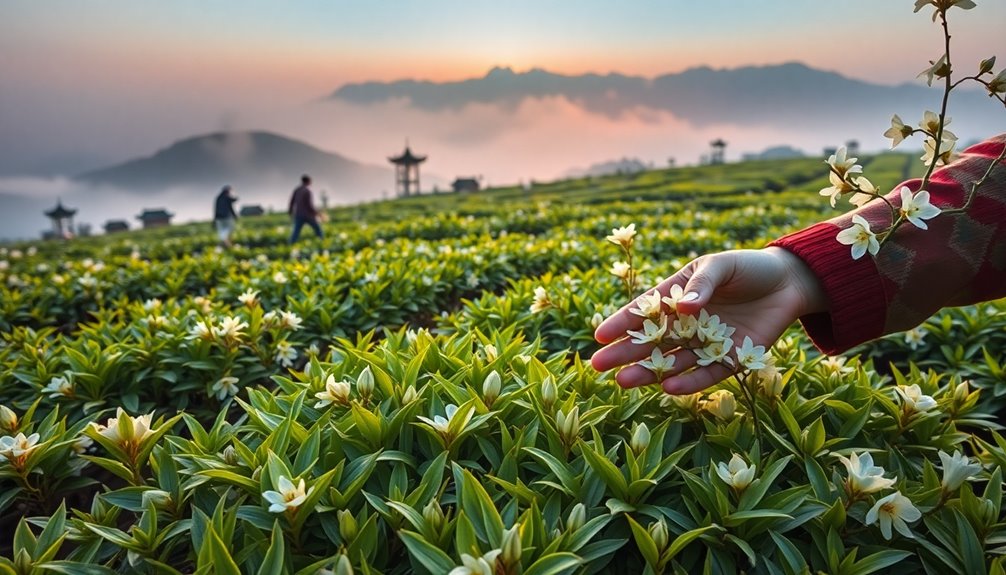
302	209
224	216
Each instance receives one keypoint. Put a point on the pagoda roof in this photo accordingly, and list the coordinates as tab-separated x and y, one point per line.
60	212
155	214
718	142
407	158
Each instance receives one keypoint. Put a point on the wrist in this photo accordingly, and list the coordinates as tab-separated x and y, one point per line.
803	281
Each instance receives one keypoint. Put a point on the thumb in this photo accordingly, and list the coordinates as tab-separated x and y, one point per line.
710	272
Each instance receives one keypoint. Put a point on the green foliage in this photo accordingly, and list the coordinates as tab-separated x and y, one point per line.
393	391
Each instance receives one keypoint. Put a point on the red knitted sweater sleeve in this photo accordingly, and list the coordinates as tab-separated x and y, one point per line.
959	260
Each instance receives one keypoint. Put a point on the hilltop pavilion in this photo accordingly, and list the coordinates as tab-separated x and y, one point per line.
407	172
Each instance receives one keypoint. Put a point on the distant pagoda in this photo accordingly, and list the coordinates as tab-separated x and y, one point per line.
62	220
717	153
407	172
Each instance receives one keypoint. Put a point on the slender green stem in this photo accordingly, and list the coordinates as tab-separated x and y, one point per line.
948	86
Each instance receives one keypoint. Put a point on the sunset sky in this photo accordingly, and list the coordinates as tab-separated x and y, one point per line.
88	84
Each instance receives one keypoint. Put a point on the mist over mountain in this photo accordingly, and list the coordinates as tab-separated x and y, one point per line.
244	160
752	95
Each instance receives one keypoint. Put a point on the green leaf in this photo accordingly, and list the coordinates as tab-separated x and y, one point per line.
216	555
738	517
430	556
554	564
754	493
644	542
682	541
76	568
273	562
606	470
878	561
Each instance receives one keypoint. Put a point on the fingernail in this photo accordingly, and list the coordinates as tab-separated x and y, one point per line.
690	296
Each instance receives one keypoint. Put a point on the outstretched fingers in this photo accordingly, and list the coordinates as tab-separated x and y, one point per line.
637	376
697	379
623	320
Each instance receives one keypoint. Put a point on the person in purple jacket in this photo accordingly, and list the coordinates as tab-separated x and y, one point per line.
302	209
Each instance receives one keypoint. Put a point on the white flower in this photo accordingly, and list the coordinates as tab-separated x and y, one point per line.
894	509
596	320
200	331
931	124
913	399
715	352
859	237
721	404
956	470
249	297
652	332
541	301
711	329
152	304
279	277
290	320
841	165
623	236
914	337
440	423
866	192
864	476
289	496
917	208
230	328
620	270
16	448
752	356
943	157
81	445
59	387
898	131
997	85
676	294
737	474
485	565
658	363
224	387
684	328
943	5
286	354
135	429
937	69
838	187
335	391
648	305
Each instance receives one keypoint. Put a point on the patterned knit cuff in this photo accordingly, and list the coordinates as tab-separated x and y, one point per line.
857	303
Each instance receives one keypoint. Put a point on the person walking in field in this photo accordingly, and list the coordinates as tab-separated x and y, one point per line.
302	209
224	216
956	258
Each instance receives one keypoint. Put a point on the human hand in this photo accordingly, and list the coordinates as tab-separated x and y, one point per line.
758	292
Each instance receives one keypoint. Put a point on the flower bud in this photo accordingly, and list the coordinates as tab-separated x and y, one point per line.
985	67
8	419
365	383
159	498
658	532
229	455
511	546
343	566
640	438
577	517
769	381
347	525
722	404
569	425
491	387
961	393
433	514
549	393
596	320
491	352
409	396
